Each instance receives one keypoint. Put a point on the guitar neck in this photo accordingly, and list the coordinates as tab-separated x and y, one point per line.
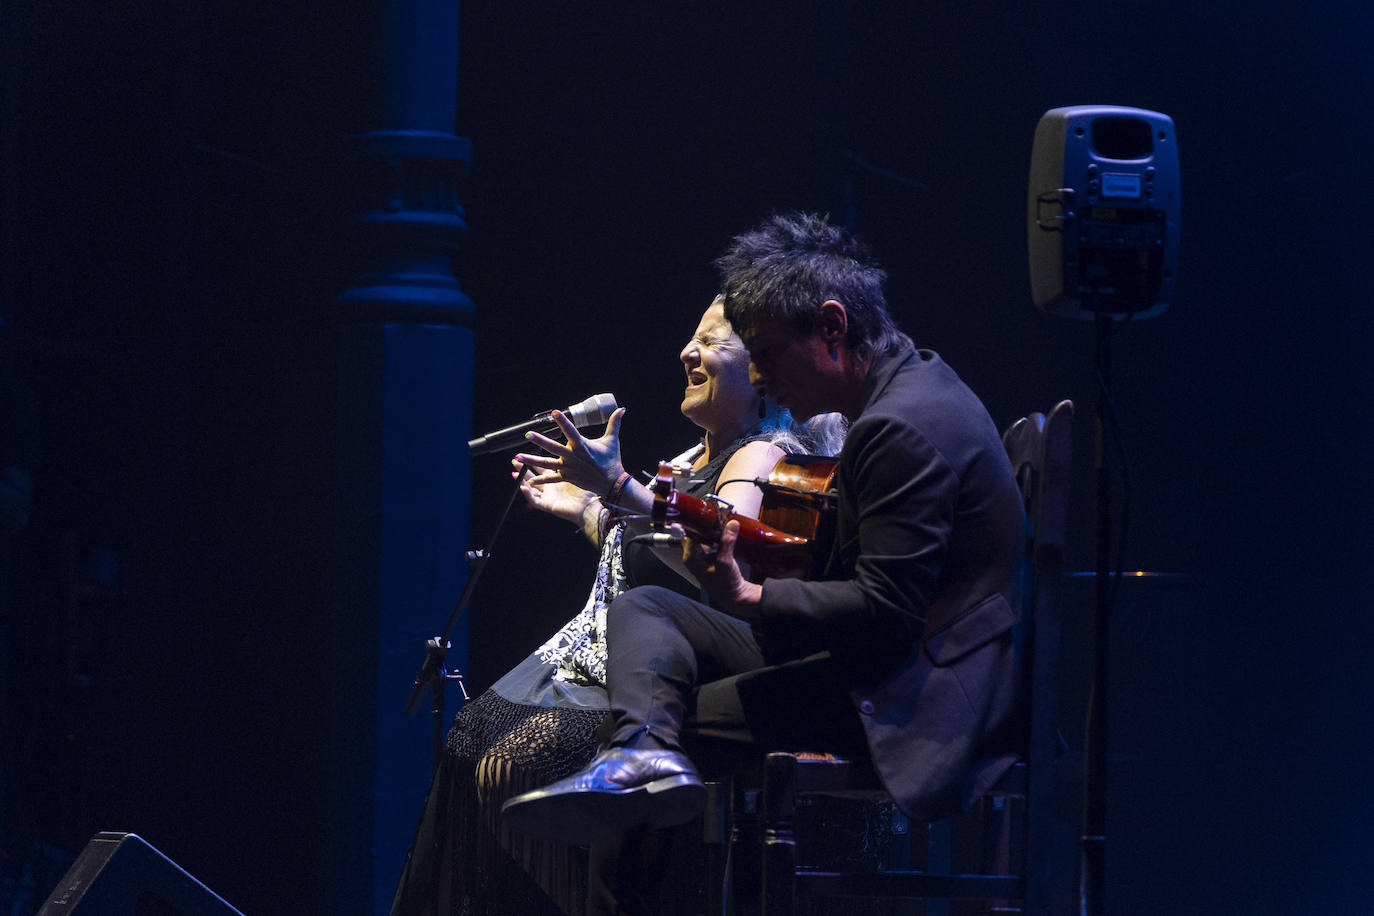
757	542
771	551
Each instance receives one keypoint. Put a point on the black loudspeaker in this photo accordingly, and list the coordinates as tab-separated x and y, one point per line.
118	874
1103	211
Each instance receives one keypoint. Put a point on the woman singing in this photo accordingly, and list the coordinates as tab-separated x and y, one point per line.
538	722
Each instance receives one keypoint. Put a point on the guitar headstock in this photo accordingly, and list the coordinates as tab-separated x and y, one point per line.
663	488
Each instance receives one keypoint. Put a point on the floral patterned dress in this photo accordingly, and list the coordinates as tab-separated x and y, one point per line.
538	723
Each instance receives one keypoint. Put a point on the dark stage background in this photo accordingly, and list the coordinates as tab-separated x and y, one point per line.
172	249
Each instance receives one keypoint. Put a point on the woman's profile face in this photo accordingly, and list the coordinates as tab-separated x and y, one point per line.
718	397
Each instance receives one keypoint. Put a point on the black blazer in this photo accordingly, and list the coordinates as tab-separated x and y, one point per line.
922	591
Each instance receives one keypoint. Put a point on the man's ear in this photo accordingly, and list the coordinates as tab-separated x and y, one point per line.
834	323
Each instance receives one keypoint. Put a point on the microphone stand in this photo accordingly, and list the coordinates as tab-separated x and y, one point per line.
433	676
1092	863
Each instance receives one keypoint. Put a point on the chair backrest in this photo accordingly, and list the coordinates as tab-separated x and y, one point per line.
1040	448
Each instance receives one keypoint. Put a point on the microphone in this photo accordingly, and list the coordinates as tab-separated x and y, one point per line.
594	410
827	498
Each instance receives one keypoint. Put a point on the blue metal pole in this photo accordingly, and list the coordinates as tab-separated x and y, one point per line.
405	370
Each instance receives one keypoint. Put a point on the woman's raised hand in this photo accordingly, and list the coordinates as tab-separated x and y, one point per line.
590	464
556	497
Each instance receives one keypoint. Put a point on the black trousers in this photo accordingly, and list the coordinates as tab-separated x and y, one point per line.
685	676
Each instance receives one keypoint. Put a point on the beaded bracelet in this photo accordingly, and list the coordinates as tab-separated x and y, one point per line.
604	519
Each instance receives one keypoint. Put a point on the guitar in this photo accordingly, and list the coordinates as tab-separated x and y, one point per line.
794	518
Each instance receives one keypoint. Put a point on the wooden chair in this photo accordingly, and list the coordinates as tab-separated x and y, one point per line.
995	858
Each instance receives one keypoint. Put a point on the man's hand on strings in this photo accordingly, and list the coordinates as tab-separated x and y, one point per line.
719	573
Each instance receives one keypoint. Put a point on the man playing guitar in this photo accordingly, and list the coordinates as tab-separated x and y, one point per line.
900	645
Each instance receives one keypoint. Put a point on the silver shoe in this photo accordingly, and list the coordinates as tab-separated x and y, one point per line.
621	788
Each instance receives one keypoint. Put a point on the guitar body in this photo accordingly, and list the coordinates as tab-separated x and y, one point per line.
799	499
793	518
